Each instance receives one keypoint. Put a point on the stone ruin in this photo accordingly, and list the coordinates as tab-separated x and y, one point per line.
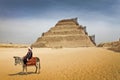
66	33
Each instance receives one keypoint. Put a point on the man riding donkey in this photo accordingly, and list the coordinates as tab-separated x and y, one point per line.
28	60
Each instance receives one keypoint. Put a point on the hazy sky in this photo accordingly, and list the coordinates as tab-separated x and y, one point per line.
23	21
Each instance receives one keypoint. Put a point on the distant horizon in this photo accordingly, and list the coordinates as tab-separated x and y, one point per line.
23	21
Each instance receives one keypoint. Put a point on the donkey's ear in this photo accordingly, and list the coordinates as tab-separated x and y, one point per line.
14	57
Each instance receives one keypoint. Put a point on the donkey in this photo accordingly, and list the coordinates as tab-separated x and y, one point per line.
19	60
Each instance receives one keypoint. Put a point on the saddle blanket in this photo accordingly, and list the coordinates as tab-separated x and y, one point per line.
32	61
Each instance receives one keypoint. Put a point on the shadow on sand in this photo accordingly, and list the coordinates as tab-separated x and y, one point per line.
22	73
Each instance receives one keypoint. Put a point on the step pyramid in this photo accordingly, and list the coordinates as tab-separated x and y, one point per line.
66	33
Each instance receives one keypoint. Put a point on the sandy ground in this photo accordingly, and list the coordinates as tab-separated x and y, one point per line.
10	45
63	64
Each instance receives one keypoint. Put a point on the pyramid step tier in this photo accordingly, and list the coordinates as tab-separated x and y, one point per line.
74	32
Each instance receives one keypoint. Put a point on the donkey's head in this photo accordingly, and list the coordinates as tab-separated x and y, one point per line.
18	60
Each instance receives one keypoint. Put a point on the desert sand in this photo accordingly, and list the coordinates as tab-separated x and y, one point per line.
11	45
87	63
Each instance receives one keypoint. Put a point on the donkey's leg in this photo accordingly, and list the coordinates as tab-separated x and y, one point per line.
36	68
26	68
23	67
